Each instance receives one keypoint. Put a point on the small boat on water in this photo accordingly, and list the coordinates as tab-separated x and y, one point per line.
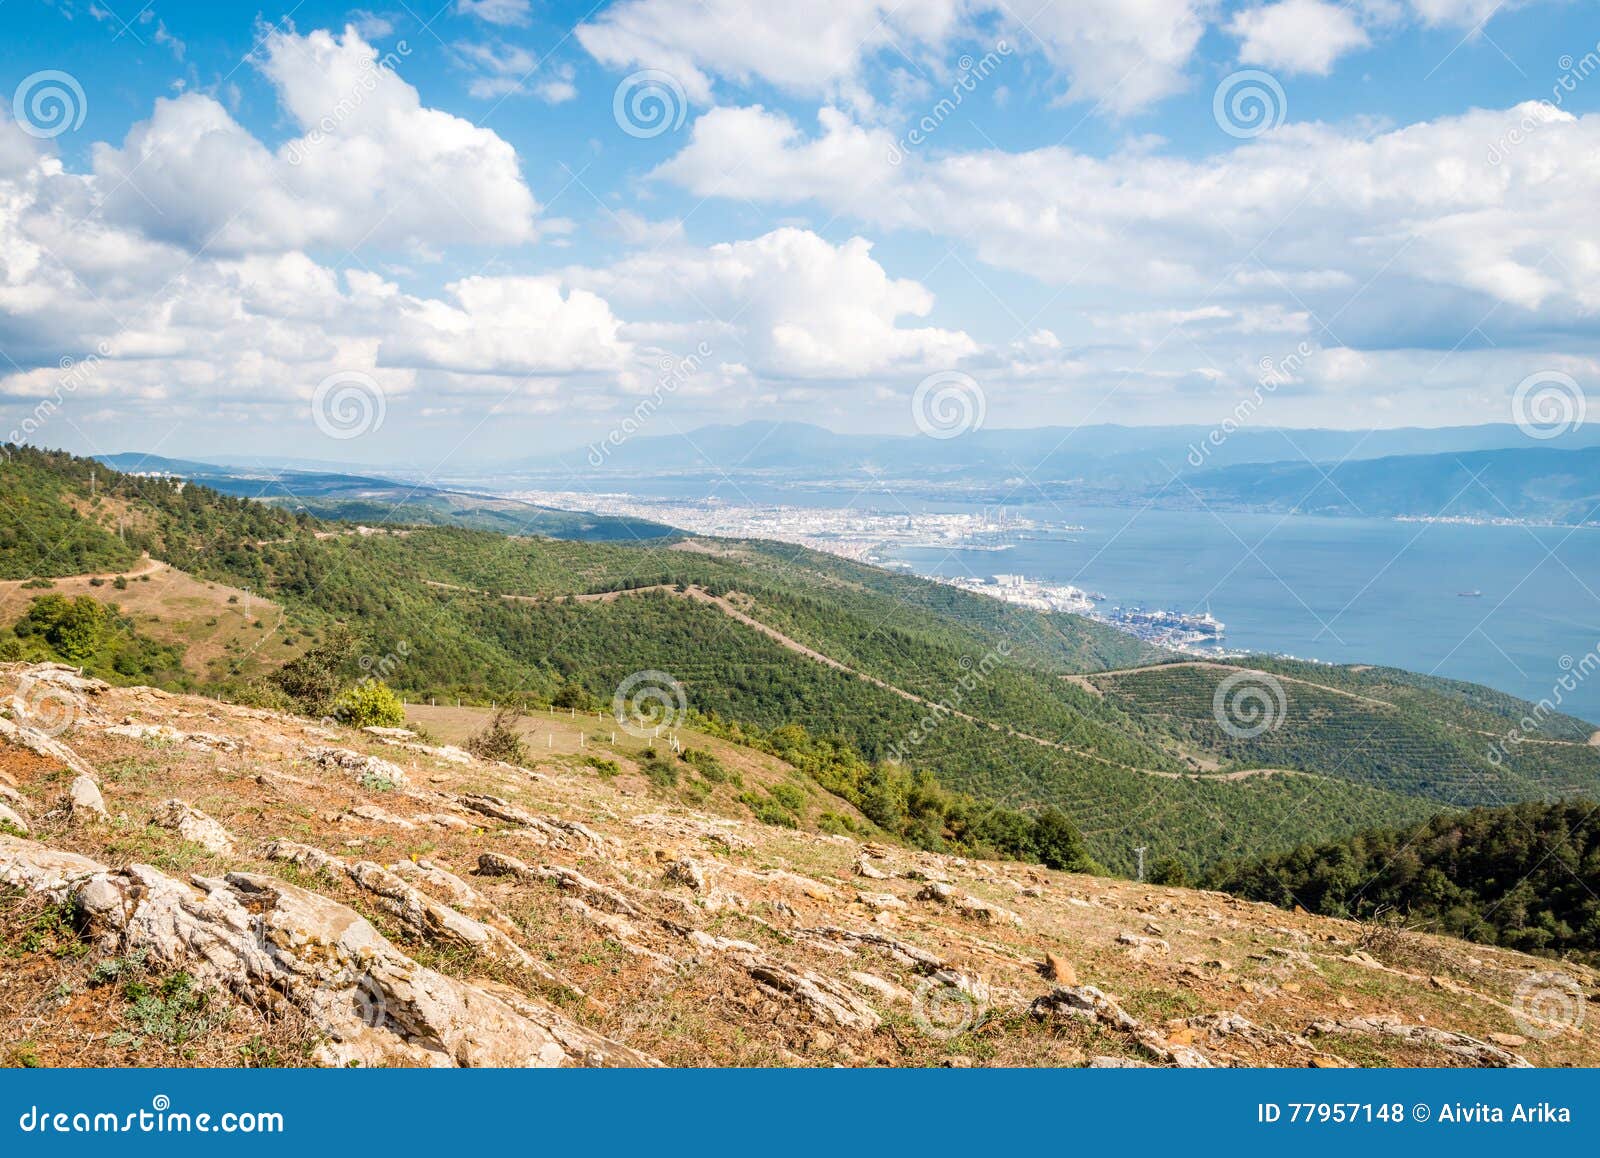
1469	594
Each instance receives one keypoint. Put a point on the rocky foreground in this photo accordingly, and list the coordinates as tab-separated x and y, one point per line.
191	882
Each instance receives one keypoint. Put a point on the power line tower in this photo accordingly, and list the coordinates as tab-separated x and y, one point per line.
1141	851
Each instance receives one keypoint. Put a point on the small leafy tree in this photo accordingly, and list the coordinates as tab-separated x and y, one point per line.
1169	871
1056	842
314	679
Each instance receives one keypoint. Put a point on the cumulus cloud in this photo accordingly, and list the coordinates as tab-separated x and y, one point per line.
372	164
1297	35
790	304
1491	202
1121	55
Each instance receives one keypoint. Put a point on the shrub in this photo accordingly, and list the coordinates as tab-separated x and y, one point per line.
789	796
499	738
370	703
661	773
606	768
714	770
769	811
313	680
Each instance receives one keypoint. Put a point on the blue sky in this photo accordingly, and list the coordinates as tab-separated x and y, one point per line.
372	233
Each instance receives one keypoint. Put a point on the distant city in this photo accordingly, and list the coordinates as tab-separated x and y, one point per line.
874	537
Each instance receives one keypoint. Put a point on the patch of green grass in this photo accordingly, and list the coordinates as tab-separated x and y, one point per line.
172	1011
51	929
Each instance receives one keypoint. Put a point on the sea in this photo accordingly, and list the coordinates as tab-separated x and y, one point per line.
1514	607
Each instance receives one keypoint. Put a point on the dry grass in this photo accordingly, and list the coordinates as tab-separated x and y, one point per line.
1281	970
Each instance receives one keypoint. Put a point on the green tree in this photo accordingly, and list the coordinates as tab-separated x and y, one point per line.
1056	842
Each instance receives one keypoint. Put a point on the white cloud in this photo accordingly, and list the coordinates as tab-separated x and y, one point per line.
1297	35
500	68
1460	13
503	12
372	165
1123	55
793	305
508	325
1425	204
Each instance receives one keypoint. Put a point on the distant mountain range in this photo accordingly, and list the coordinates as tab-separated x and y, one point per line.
1561	486
370	499
1102	457
1479	472
1487	472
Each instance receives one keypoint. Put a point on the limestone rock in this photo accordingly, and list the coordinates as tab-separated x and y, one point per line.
195	826
84	801
369	771
684	871
43	745
1460	1044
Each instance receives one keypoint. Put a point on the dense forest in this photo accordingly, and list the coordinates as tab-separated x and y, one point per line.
1526	876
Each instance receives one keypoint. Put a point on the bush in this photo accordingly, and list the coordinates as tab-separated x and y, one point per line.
1056	842
606	768
661	773
790	796
499	738
769	811
73	628
1169	871
574	696
369	704
714	770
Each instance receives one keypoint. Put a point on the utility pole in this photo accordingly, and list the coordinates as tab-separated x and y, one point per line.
1141	851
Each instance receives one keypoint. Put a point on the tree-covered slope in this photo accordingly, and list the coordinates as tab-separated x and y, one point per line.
1526	876
893	691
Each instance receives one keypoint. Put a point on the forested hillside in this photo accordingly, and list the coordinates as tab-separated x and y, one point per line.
950	719
1526	876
